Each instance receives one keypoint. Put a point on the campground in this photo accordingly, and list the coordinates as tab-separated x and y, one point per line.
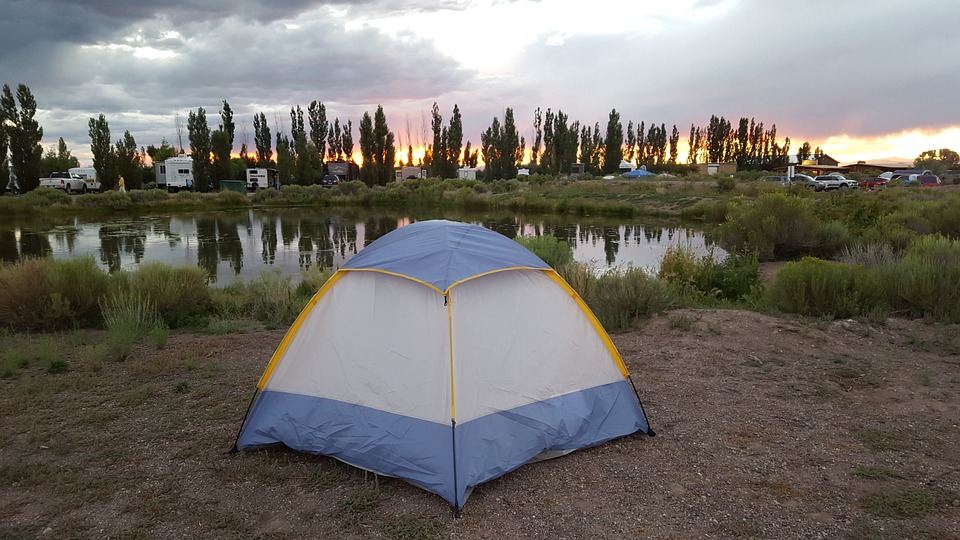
767	427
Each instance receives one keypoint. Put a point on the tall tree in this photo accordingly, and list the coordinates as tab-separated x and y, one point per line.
23	135
502	148
631	142
613	143
4	146
346	140
129	161
161	153
58	159
317	118
938	161
438	150
454	142
537	136
200	149
261	139
674	141
104	161
376	148
804	152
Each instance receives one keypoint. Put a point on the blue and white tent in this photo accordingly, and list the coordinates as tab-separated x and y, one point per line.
447	355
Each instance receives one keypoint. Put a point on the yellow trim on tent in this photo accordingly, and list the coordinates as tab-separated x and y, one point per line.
453	389
491	272
404	276
593	320
275	359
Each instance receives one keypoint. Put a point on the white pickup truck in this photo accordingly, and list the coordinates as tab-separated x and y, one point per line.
70	183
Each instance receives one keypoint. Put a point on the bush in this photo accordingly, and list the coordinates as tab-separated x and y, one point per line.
271	300
819	288
145	196
353	187
726	184
77	285
775	226
25	294
619	298
43	197
111	200
550	249
924	282
232	199
730	279
179	293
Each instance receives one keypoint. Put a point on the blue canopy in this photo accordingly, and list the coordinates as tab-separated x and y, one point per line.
442	253
637	173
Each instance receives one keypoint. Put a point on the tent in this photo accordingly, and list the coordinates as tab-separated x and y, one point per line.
447	355
637	173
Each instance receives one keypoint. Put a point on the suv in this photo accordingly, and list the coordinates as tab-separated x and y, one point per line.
330	180
836	181
782	180
807	181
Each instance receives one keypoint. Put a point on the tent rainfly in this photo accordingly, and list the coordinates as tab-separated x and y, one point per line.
445	354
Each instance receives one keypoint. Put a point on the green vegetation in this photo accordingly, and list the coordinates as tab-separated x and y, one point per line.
900	504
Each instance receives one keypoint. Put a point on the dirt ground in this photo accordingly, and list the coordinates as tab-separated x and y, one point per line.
766	427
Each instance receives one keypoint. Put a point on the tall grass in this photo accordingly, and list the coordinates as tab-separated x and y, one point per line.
732	278
550	249
179	293
25	295
775	226
819	288
619	298
128	316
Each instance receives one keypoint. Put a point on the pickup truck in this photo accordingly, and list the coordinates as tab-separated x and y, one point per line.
71	183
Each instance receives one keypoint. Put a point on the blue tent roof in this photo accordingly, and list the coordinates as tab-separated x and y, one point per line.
442	253
636	173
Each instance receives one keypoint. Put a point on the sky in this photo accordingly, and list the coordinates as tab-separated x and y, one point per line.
869	81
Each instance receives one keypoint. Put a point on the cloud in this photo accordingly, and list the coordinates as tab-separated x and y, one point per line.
817	70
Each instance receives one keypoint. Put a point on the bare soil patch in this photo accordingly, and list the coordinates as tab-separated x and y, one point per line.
766	427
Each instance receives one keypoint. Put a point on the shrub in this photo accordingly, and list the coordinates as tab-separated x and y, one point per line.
732	278
353	187
232	199
270	298
43	197
128	316
819	288
80	285
619	298
726	184
145	196
550	249
178	293
924	282
111	200
312	280
775	225
25	294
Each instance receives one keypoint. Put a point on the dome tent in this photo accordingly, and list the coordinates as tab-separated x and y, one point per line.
447	355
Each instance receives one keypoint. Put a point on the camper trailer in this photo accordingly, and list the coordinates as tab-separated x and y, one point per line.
175	174
89	175
260	178
410	173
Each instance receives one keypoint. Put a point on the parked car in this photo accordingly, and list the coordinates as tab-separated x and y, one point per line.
782	180
928	180
874	183
837	181
808	181
330	180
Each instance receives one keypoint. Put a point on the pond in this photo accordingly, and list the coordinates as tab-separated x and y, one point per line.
241	244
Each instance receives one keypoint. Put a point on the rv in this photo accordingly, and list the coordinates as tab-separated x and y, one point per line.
344	170
175	174
89	175
262	178
410	173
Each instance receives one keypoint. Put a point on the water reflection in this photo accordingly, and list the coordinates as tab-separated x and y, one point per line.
231	245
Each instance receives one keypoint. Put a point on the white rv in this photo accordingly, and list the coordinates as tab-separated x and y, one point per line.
89	175
260	178
175	174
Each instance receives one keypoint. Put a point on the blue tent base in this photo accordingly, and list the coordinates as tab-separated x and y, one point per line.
422	452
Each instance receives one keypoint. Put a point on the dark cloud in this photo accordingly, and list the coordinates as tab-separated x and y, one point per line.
819	69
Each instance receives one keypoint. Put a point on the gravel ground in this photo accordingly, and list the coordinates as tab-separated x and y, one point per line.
766	427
